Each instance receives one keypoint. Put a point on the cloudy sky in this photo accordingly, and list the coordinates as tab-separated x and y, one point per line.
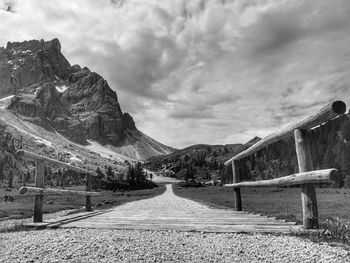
201	71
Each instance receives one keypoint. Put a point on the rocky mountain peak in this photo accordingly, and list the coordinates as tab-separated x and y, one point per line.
28	63
71	100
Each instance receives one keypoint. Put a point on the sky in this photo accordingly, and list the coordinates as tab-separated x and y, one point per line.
201	71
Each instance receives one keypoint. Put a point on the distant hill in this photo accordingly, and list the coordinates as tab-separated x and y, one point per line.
252	141
202	161
204	152
201	152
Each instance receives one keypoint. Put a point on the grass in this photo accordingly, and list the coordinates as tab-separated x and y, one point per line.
283	203
13	227
22	206
332	230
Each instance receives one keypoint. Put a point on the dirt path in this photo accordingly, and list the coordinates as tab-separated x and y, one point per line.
170	212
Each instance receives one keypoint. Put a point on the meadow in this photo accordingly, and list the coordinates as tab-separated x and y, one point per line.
284	203
22	206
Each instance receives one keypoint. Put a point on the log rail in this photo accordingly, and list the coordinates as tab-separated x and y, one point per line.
306	177
39	190
320	176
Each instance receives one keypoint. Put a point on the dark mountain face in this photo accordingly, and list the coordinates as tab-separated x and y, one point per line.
252	141
29	63
200	153
51	93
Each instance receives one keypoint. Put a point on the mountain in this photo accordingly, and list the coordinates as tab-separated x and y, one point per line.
251	142
200	162
199	154
44	97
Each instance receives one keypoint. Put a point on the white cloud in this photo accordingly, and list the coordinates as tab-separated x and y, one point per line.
201	71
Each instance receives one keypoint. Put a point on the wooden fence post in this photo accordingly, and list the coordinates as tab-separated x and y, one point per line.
39	198
88	179
237	190
308	193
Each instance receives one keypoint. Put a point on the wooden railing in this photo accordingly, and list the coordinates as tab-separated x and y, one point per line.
39	190
306	177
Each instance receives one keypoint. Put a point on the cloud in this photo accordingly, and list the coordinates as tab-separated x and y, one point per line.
201	71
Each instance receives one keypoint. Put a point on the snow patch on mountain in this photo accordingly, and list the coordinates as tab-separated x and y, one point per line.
4	102
105	152
61	89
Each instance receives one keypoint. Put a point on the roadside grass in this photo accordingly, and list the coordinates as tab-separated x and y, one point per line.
13	227
332	230
283	203
22	206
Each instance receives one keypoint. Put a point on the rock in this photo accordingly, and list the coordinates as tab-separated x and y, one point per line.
74	101
70	100
128	121
31	62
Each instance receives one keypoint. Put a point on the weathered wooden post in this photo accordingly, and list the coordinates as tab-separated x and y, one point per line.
39	198
308	193
237	190
88	179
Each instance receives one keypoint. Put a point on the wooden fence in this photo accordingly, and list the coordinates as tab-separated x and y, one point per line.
39	190
306	177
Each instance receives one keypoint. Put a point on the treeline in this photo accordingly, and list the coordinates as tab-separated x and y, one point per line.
9	165
134	178
330	148
16	172
198	155
197	165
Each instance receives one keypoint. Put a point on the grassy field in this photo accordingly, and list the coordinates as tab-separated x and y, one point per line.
22	206
282	203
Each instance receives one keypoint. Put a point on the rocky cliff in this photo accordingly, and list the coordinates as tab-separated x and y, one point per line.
70	100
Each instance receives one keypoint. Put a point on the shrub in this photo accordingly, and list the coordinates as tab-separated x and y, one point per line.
336	229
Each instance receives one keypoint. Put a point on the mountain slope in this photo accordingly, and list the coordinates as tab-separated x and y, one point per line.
39	86
202	152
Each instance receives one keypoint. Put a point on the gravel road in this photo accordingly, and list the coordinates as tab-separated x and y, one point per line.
103	245
122	245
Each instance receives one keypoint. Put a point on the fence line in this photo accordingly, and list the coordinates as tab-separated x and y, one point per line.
39	190
306	176
319	176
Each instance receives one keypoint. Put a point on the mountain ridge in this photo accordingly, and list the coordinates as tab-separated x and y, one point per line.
38	85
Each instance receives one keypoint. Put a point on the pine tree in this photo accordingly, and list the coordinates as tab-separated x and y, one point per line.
99	173
139	176
10	180
131	175
26	178
109	173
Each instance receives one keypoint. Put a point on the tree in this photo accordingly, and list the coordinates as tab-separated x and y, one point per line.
10	180
26	178
47	174
2	166
139	176
131	174
99	173
109	173
190	172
